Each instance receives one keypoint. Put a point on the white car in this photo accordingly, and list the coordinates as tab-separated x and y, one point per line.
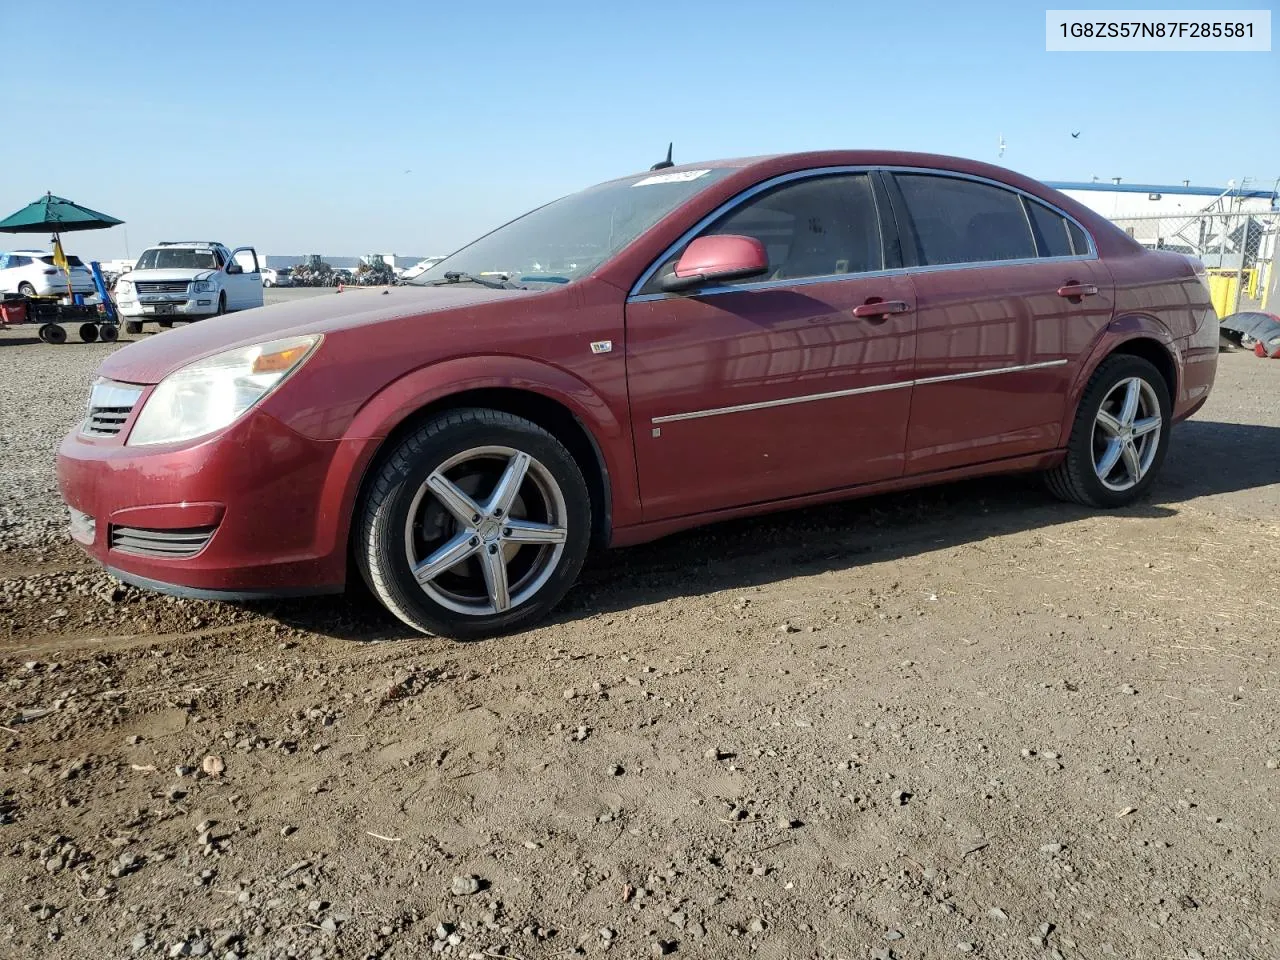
276	278
32	274
419	268
188	281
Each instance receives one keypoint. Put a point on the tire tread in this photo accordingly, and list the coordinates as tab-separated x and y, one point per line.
1068	480
375	516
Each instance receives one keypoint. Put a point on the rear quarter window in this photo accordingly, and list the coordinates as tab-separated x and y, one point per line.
964	221
1079	239
1050	230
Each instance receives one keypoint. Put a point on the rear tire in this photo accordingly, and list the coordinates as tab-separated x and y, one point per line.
1119	438
89	332
52	333
26	289
108	332
476	524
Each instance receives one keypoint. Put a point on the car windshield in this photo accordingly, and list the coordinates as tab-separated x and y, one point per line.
177	258
570	237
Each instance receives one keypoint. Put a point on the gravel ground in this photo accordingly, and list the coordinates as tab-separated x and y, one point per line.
963	721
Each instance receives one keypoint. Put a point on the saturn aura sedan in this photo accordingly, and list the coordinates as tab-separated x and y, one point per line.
664	350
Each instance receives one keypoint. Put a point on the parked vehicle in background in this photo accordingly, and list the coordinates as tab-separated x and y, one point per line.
660	351
188	280
418	269
276	278
32	273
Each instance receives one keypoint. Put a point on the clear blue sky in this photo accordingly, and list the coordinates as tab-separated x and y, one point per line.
291	125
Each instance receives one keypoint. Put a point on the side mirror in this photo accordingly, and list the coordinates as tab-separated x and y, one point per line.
708	259
234	268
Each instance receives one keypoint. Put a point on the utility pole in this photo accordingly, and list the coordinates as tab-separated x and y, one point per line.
1244	238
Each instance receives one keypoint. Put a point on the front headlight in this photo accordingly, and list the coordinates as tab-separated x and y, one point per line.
214	392
203	286
124	286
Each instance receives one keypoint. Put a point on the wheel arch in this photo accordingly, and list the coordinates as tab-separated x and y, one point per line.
551	397
547	412
1134	335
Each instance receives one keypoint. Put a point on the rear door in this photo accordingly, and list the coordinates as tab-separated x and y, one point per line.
770	387
1009	294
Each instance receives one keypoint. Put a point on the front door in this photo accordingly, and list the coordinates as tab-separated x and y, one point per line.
1008	296
770	387
245	288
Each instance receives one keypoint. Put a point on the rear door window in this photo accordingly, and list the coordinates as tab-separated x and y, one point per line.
822	226
963	221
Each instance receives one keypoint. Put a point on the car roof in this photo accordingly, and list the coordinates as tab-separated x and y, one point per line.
847	158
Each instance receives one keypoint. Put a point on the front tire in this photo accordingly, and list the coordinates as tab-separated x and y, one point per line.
222	304
133	326
26	289
1120	436
475	524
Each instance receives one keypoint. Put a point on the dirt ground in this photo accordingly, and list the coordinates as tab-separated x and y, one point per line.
965	721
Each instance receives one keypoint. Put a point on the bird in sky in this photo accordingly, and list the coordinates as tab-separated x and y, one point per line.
1002	145
1075	135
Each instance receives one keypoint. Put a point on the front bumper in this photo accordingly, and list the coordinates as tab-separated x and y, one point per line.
240	514
177	307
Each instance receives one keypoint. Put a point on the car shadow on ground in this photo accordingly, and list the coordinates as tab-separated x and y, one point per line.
1206	458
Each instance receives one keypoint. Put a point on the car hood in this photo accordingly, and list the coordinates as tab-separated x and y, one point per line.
151	360
168	275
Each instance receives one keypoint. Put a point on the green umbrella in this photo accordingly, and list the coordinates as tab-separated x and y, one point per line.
55	215
52	214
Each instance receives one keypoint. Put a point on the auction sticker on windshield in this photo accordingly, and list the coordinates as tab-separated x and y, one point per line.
684	176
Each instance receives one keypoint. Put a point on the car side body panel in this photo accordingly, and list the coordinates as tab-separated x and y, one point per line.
282	484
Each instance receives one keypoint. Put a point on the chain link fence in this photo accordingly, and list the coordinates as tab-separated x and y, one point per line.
1238	250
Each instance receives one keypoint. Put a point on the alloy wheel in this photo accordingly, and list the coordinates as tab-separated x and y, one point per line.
1126	434
486	530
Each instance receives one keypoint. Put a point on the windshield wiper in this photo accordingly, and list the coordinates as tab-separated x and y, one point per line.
501	282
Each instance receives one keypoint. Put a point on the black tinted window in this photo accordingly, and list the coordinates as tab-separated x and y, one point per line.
962	221
1079	242
1050	229
817	227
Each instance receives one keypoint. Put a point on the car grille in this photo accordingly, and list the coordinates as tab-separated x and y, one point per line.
169	544
83	526
162	286
109	407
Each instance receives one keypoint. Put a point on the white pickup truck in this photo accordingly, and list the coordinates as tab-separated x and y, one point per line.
188	280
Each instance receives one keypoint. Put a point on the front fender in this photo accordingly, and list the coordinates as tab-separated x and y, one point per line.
1133	326
398	401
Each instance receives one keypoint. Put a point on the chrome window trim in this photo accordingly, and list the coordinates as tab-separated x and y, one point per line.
855	391
736	201
1093	249
634	296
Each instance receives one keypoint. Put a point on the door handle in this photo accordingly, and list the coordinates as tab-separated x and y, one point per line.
1078	290
880	308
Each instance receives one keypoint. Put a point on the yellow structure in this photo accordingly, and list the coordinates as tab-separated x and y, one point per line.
1222	291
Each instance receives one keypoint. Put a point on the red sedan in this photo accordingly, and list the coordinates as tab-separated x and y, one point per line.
659	351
